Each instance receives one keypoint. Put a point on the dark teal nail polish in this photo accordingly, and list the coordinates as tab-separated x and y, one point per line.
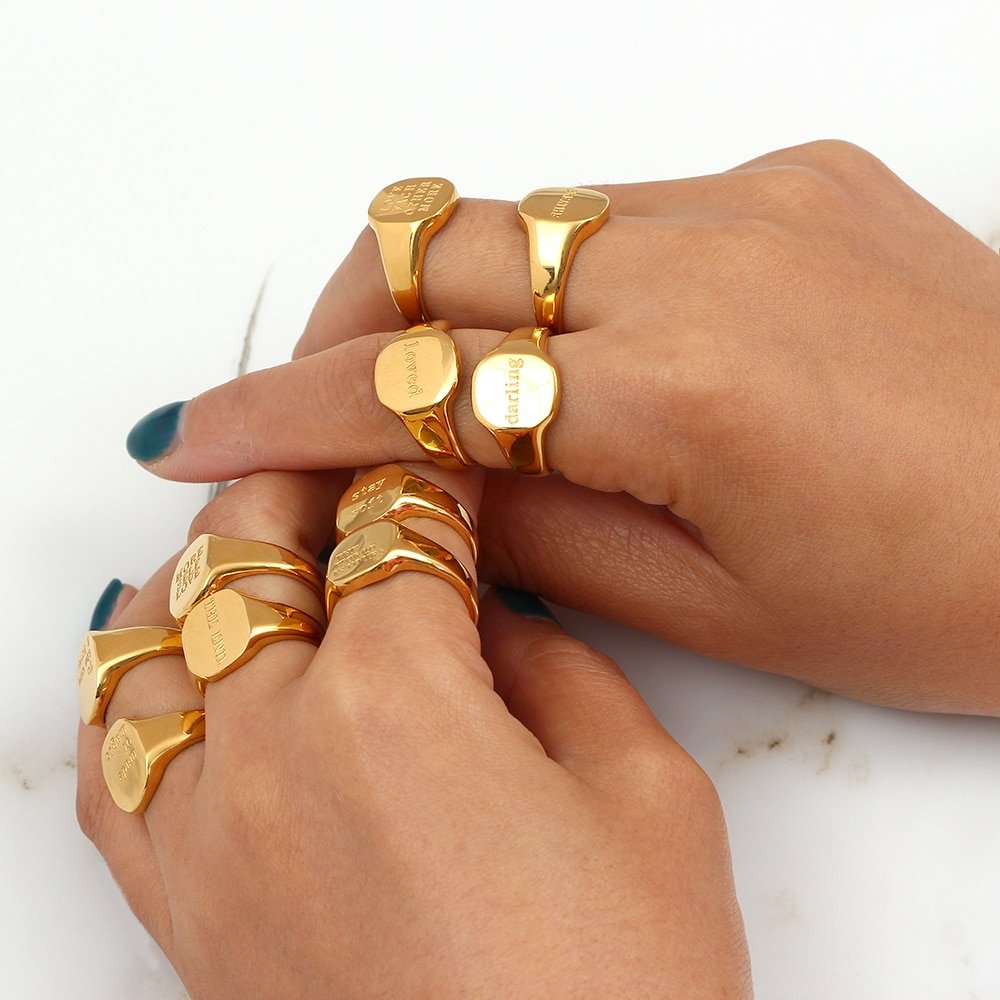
105	605
152	437
324	557
524	604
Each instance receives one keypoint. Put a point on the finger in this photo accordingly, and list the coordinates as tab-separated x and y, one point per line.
122	838
336	420
476	274
412	628
155	687
112	602
577	702
613	556
296	511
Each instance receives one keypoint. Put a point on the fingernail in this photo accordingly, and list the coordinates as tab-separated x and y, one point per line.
105	605
524	604
155	434
324	557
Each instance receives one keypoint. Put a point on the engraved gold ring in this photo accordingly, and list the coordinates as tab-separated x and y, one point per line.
383	548
405	216
105	657
227	629
416	376
397	494
515	388
136	753
212	561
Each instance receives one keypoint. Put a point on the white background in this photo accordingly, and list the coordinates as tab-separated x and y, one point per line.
157	160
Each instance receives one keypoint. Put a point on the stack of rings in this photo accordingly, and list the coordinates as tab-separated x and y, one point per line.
515	388
218	631
374	544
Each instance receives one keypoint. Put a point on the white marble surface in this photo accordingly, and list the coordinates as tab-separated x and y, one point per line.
157	161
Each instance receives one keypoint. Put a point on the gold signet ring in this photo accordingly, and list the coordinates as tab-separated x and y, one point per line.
105	657
557	221
380	549
395	493
228	629
211	561
416	375
137	751
405	216
515	395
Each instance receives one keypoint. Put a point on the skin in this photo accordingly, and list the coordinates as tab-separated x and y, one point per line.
425	810
781	389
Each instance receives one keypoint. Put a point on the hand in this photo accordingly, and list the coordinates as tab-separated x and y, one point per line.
778	434
370	819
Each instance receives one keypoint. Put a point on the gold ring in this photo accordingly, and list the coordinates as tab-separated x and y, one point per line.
136	753
211	561
557	221
227	629
395	493
515	396
416	376
380	549
405	216
106	657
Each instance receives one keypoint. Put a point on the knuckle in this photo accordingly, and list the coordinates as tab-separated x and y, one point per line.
259	506
797	188
838	158
664	775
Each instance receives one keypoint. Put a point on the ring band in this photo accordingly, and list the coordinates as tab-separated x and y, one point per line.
397	494
416	376
136	753
405	216
515	396
106	657
379	550
557	221
212	561
227	629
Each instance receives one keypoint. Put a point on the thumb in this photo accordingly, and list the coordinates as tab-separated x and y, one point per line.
576	701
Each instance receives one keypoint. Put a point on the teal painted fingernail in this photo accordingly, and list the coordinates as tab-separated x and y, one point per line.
524	604
324	557
154	435
105	605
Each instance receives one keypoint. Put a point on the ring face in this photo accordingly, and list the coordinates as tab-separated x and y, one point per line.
416	376
227	629
557	221
515	395
405	216
394	492
136	753
105	657
380	549
211	561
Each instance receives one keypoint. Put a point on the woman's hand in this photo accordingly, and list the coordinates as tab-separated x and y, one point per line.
779	425
371	819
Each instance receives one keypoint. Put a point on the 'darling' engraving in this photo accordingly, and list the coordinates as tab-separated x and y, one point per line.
512	389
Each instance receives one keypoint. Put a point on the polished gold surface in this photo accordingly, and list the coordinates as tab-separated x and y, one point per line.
515	395
405	216
211	561
105	657
557	221
227	629
416	376
395	493
383	548
136	753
